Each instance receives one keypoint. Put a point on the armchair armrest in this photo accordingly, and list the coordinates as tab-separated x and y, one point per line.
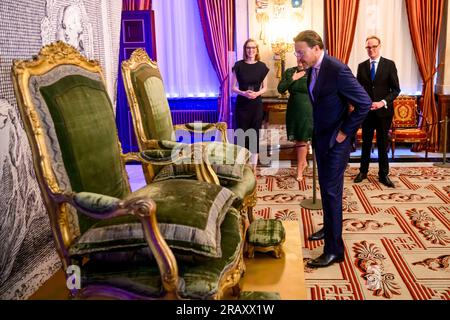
202	127
103	207
167	152
210	160
131	156
160	152
96	205
173	153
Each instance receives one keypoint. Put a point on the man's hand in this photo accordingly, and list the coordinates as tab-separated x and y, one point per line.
340	137
377	105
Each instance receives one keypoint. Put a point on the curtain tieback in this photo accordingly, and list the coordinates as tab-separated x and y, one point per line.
224	79
429	78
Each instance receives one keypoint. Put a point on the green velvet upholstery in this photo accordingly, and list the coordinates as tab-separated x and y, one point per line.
199	126
171	234
191	225
266	233
227	153
180	171
198	281
240	188
153	105
227	173
169	151
259	295
97	203
85	126
157	155
227	160
145	92
243	188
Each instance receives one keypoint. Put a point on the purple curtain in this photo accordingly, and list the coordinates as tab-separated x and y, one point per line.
134	5
217	17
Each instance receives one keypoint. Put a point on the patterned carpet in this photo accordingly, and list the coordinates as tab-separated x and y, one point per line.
397	240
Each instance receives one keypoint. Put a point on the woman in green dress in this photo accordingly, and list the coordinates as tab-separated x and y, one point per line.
299	121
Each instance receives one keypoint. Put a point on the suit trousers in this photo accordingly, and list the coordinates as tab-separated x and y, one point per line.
331	165
382	126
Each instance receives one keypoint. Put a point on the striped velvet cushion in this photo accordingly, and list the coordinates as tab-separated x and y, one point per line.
227	160
189	214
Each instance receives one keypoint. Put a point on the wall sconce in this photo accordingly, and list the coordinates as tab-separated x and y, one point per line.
296	3
280	48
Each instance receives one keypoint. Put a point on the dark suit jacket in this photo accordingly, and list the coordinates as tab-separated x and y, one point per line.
336	87
384	86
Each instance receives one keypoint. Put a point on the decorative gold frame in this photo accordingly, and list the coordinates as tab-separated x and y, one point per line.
278	250
57	200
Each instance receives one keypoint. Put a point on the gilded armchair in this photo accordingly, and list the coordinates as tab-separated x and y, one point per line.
153	122
405	125
168	240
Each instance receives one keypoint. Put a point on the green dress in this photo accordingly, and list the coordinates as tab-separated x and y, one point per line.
299	118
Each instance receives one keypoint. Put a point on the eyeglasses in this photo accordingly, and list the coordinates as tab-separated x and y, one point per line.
299	54
372	47
250	48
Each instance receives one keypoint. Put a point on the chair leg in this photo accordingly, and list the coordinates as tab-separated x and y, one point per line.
236	290
250	251
426	149
250	214
278	252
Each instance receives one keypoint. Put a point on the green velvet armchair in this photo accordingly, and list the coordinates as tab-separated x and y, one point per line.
153	122
173	239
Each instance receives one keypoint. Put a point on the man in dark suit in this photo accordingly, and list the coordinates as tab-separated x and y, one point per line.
332	87
379	78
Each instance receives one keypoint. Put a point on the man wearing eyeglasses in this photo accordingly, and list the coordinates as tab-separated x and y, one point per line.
331	87
378	76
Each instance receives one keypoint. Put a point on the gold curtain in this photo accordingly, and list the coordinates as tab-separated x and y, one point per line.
340	24
425	20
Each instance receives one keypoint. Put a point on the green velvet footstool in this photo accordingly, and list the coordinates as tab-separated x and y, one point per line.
259	295
264	236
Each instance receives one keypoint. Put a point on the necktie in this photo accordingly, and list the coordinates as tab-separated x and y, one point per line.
313	80
372	70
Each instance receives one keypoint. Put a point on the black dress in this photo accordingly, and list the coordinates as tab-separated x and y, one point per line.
249	112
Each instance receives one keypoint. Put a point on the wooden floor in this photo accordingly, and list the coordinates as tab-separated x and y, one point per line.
54	289
263	273
284	275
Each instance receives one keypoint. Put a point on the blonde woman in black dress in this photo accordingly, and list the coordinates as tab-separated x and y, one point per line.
249	81
299	121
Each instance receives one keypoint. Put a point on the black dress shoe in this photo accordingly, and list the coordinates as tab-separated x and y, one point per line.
360	177
387	182
319	235
325	260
